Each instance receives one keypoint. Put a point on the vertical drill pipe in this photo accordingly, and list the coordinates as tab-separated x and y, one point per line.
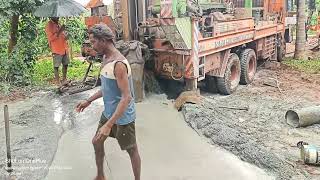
125	20
7	132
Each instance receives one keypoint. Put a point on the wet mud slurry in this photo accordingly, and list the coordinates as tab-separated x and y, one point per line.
251	123
36	125
168	147
51	141
47	135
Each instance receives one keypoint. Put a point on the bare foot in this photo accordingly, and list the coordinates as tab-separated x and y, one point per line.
57	83
100	178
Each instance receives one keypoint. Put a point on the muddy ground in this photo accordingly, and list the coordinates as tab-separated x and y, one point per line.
257	131
36	125
258	135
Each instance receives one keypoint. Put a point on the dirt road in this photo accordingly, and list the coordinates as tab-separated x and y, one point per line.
257	131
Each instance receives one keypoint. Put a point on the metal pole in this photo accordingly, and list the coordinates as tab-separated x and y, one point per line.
7	131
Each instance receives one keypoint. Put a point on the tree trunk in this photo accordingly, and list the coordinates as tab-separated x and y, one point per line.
301	31
13	32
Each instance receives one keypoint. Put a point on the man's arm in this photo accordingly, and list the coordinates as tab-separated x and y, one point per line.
52	36
95	96
123	84
84	104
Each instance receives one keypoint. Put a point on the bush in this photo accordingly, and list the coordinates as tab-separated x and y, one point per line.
16	68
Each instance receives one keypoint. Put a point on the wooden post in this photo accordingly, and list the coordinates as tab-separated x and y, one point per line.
125	20
7	132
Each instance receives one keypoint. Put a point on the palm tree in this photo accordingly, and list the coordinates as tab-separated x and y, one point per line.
301	31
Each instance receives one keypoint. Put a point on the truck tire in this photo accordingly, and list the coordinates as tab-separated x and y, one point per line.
248	60
211	84
229	83
281	50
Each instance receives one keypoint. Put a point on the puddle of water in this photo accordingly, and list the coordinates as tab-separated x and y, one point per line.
57	114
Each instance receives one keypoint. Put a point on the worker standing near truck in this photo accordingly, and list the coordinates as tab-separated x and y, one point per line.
58	44
118	117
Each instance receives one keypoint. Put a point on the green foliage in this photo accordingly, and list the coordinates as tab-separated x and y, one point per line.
16	68
77	70
18	7
5	88
13	69
21	67
43	71
308	66
4	36
28	35
76	29
41	39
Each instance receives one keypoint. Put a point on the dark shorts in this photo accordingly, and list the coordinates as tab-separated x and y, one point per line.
60	59
125	134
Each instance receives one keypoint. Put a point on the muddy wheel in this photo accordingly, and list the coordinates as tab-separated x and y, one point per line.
229	83
281	50
211	84
248	60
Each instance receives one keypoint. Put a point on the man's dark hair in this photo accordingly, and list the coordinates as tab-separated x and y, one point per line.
101	31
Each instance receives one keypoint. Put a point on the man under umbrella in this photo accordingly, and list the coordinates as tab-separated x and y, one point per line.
57	40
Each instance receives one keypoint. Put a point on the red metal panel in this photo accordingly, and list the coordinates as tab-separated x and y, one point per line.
257	3
213	45
232	27
212	62
166	9
92	20
238	3
189	67
221	62
165	60
167	21
266	31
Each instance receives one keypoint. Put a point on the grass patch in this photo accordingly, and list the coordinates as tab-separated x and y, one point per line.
5	88
308	66
44	75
